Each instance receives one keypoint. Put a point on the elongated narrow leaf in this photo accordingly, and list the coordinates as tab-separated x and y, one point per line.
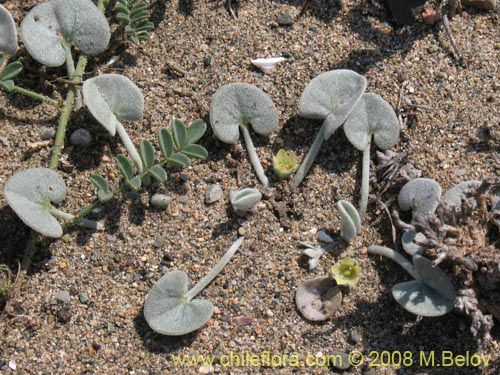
196	131
2	58
141	16
99	182
166	142
147	153
139	7
123	18
158	173
11	71
144	37
179	132
122	8
125	166
179	160
134	183
195	151
144	26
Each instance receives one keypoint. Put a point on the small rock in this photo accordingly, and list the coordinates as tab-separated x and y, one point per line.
355	336
160	200
207	61
285	19
243	320
371	371
481	4
12	365
111	328
63	315
63	296
183	199
159	241
342	362
213	193
323	237
241	231
84	297
206	369
46	133
80	137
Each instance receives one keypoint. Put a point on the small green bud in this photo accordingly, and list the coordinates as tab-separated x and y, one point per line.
284	164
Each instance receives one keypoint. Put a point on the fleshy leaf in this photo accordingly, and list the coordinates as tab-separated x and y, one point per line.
331	96
179	160
158	173
421	195
166	142
8	32
113	98
244	200
48	25
134	183
195	151
372	116
29	194
147	153
179	131
236	104
350	220
196	131
11	71
125	167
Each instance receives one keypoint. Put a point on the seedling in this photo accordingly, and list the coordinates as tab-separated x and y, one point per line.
234	107
373	116
349	219
430	294
244	201
170	308
183	138
113	98
318	299
135	15
8	32
346	272
331	97
421	195
30	194
284	164
50	28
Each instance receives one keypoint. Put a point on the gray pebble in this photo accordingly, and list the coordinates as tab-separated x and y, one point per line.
160	200
323	237
285	19
80	137
84	297
342	362
111	328
355	336
183	199
159	241
371	371
46	133
63	296
213	193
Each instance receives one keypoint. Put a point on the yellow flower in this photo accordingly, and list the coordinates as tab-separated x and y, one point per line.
284	164
346	271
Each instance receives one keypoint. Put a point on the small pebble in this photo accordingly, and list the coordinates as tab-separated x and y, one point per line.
159	241
243	320
84	297
160	200
285	19
206	369
213	193
46	133
323	237
111	328
343	362
241	231
207	61
80	137
63	296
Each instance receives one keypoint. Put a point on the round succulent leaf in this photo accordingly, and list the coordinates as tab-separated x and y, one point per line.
113	98
419	299
8	32
407	240
318	299
168	312
421	195
238	104
372	116
453	197
332	96
434	277
28	193
50	24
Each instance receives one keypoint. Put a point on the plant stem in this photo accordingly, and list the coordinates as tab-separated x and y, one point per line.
91	224
31	94
66	112
309	159
101	5
395	256
207	279
365	181
252	155
129	146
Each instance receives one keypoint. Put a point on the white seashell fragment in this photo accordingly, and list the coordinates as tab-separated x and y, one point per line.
268	65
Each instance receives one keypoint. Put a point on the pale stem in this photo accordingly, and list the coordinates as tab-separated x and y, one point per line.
91	224
309	159
129	146
395	256
365	181
207	279
252	155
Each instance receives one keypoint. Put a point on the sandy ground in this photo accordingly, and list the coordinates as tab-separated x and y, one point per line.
196	48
